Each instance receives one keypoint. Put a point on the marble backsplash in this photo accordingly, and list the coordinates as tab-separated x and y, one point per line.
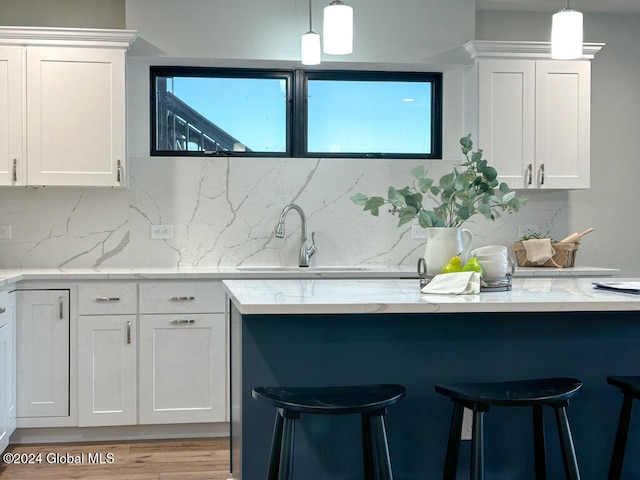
224	211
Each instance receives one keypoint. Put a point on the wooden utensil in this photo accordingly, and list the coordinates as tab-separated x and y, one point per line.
575	237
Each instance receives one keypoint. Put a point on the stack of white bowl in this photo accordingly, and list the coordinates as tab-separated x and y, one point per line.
494	260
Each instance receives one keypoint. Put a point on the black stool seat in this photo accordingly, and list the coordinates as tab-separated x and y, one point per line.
536	393
331	400
370	401
524	393
628	384
630	388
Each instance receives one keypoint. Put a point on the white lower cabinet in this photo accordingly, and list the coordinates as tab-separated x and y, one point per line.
159	360
7	369
107	370
42	353
182	368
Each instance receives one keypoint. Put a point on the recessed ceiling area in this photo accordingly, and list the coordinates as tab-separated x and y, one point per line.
585	6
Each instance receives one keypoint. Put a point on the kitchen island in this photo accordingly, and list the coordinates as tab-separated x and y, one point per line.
333	332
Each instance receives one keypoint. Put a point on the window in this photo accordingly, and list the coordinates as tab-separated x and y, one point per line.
199	111
373	114
210	111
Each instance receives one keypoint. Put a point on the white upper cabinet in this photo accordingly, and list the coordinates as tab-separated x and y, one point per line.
531	113
11	114
62	103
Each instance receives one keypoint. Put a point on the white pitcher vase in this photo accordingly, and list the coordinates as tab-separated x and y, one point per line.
442	244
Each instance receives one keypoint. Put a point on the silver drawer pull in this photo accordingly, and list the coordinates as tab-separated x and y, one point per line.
107	299
128	332
182	299
182	322
2	310
61	308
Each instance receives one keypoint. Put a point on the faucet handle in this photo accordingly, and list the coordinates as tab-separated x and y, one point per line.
313	249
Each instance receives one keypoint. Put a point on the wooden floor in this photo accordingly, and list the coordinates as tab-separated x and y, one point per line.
201	459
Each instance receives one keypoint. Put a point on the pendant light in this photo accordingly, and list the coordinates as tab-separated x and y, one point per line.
337	31
310	45
566	34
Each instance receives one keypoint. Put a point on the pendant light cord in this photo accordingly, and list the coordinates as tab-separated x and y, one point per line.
310	26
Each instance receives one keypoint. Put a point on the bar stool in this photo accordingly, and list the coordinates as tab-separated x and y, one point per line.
478	397
630	388
370	401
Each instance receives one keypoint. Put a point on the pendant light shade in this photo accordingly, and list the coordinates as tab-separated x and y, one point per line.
310	45
566	34
337	29
310	48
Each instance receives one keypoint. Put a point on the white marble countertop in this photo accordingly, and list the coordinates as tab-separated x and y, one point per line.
403	296
8	277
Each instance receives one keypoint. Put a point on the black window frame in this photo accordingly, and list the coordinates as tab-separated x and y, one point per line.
435	78
204	72
296	105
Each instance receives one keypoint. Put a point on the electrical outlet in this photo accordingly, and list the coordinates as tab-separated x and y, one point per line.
417	232
5	232
162	232
467	424
528	231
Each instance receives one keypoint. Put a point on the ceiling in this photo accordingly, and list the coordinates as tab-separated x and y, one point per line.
584	6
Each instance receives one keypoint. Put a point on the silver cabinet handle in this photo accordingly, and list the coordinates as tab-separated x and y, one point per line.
15	170
107	299
128	332
182	322
182	299
2	310
542	174
61	308
530	174
119	172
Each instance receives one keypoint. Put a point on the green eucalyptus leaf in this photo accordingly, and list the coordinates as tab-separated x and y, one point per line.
373	205
425	184
359	199
446	181
395	198
406	214
466	144
418	172
425	219
508	196
504	188
414	200
490	173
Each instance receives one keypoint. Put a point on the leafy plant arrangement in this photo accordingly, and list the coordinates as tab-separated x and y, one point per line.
458	195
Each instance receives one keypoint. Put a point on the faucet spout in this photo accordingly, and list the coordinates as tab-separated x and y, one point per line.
306	251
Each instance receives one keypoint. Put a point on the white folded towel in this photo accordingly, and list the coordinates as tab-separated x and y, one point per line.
539	250
457	283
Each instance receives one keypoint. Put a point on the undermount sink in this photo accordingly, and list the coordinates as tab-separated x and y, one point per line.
267	268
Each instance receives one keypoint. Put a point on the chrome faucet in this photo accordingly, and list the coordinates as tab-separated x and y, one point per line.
306	252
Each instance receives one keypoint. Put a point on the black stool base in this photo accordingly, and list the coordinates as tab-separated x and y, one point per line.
370	401
479	397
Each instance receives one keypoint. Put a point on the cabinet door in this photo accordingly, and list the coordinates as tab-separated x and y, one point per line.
506	120
75	116
7	418
182	368
42	347
107	370
563	105
11	125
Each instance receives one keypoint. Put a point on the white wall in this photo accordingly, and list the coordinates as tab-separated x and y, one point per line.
224	210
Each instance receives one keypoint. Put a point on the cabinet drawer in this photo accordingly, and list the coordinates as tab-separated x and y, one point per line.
107	298
185	296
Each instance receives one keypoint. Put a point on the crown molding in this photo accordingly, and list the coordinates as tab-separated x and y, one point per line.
541	50
26	36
